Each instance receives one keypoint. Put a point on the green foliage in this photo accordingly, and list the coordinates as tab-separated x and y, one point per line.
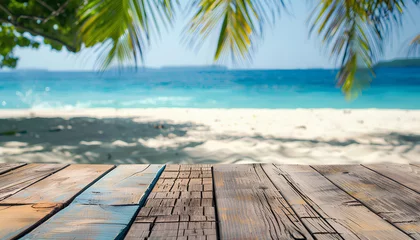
9	40
353	30
239	24
21	21
415	46
123	28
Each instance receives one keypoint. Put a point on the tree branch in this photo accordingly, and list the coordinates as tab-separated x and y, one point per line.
45	5
56	13
16	18
46	36
30	17
6	11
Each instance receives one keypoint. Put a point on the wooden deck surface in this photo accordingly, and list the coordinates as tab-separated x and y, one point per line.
255	201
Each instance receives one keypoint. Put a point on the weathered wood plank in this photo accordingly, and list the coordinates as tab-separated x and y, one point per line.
172	167
59	187
105	209
250	207
387	198
125	185
327	236
5	167
175	208
45	197
86	222
405	174
13	181
312	196
16	219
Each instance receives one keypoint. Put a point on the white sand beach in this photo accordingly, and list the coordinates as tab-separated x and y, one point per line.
302	136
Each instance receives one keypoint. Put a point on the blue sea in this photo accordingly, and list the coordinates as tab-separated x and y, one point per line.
189	88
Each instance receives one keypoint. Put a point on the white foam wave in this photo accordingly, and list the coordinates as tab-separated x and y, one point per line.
176	101
152	101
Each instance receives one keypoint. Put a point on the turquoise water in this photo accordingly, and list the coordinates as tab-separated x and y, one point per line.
392	88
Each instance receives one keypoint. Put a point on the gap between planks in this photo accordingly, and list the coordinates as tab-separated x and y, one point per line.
111	202
408	175
21	178
178	207
250	206
393	202
43	207
318	235
143	201
6	167
305	210
315	198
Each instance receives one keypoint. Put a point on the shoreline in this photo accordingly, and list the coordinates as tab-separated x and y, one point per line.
12	113
192	135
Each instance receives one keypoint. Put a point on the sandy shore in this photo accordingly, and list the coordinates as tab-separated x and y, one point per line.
302	136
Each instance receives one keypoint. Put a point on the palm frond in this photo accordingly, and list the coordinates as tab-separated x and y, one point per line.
121	29
415	46
237	22
355	30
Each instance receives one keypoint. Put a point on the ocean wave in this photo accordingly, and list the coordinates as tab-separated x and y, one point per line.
146	102
51	105
68	106
175	101
95	103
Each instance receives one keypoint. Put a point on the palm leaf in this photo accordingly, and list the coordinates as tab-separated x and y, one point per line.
121	29
355	31
237	24
415	46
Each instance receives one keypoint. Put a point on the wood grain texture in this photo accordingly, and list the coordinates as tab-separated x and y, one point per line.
86	222
45	197
312	196
180	206
253	202
405	174
105	209
327	236
5	167
250	207
13	181
15	220
125	185
390	200
60	187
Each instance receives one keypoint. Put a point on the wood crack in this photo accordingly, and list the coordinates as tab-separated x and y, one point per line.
324	171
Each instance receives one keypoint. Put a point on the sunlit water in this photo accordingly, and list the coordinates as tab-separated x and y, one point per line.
392	88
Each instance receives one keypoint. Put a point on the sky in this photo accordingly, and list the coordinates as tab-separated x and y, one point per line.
286	45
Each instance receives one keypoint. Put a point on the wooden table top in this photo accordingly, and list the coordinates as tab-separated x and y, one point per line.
253	201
